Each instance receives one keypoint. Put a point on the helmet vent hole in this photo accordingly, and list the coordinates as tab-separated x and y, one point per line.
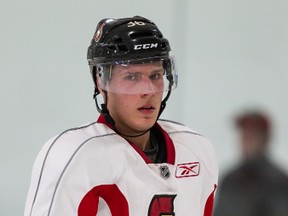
123	48
135	35
115	48
164	45
118	40
112	47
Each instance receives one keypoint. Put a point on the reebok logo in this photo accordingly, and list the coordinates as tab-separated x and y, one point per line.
187	170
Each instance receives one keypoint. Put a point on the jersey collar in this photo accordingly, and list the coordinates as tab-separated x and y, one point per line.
168	141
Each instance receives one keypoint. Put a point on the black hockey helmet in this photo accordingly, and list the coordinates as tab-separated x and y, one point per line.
125	41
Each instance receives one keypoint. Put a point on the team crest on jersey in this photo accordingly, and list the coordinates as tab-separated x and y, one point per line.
99	32
191	169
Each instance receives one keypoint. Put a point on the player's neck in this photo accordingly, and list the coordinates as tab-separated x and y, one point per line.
143	141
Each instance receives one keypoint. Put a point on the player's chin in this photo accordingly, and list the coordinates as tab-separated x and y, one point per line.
148	121
149	117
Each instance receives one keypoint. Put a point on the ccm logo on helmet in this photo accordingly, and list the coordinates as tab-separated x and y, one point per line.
145	46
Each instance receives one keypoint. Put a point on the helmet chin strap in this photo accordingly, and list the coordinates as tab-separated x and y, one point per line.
105	112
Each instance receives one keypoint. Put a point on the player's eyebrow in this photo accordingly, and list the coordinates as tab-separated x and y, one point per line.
158	70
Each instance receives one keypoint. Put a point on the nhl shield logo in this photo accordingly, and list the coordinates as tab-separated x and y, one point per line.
164	171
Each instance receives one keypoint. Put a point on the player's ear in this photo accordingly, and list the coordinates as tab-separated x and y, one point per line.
99	87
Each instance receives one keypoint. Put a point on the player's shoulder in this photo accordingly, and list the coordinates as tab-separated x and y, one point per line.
176	127
85	131
75	137
183	135
58	150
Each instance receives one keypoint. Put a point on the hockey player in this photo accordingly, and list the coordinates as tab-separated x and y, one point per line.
128	162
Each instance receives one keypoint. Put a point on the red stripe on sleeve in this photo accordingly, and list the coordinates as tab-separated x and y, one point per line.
114	198
209	203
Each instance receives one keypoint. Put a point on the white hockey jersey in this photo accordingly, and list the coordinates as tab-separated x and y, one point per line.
91	170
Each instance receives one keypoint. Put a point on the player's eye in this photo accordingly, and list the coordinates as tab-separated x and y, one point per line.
156	76
132	76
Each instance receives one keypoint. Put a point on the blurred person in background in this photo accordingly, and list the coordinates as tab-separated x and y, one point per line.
256	186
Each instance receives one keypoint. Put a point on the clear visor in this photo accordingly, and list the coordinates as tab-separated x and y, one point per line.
144	76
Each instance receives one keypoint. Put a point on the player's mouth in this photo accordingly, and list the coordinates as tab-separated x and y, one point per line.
147	109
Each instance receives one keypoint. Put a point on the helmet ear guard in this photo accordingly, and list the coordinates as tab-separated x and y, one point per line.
170	67
103	110
98	71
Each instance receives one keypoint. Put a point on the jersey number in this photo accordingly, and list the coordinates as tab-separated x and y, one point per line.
161	205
